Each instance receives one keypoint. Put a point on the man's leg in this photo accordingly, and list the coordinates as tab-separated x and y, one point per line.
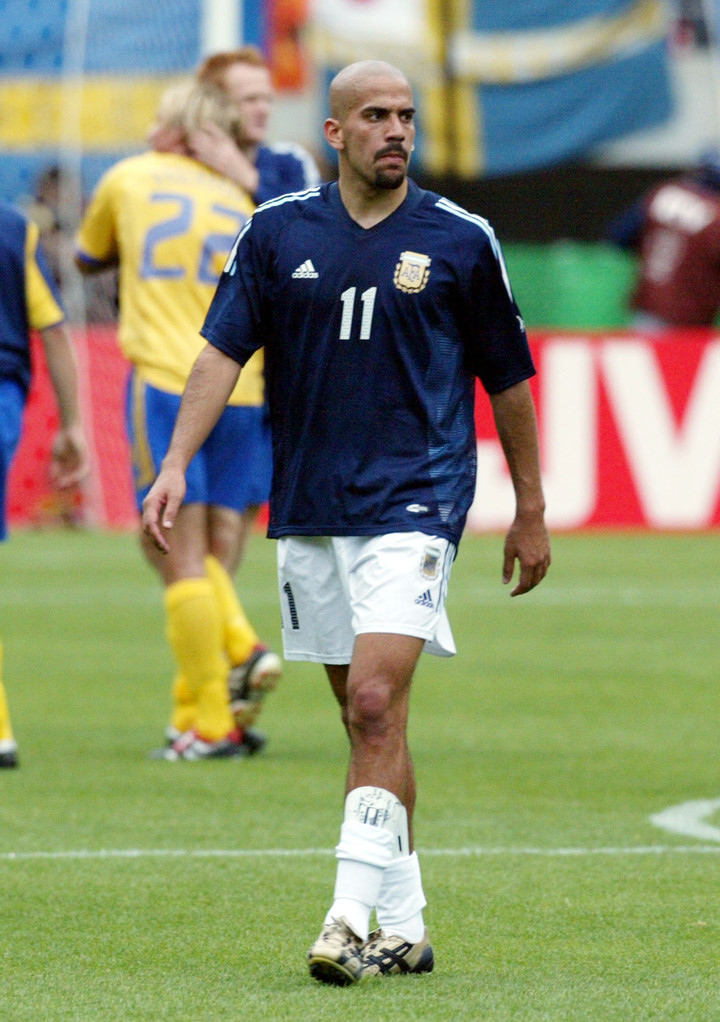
254	669
8	747
238	461
194	626
377	697
376	866
12	402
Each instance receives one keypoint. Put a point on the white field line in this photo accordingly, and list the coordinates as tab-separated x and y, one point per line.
304	853
686	819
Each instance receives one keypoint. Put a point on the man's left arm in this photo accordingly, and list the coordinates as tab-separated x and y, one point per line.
527	539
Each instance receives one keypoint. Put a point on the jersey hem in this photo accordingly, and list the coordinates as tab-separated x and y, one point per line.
328	531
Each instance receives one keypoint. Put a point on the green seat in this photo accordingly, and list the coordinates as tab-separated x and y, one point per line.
571	285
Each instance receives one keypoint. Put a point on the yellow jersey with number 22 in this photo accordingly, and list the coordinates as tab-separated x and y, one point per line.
169	222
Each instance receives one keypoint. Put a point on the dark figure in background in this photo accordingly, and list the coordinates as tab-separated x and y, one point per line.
675	230
52	208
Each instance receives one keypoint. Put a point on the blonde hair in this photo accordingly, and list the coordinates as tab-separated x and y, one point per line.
188	105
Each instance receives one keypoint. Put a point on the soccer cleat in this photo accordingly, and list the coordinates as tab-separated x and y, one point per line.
190	746
253	741
8	753
335	957
250	681
385	956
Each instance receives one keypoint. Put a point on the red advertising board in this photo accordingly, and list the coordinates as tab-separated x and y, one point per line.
629	432
106	498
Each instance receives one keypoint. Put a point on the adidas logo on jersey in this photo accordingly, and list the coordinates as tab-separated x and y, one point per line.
306	271
425	600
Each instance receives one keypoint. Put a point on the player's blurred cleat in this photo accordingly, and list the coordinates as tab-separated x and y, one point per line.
8	753
249	683
335	957
387	956
251	740
172	734
190	746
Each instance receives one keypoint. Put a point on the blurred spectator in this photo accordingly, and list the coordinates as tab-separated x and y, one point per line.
691	25
675	231
51	208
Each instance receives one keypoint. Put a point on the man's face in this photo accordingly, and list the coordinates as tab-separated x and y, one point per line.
250	89
378	132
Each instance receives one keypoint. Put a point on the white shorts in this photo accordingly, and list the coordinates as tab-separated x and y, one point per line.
333	588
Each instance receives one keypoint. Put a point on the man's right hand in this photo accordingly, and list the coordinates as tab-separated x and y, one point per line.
217	150
161	506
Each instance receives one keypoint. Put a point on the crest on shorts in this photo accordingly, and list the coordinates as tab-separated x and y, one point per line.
430	564
412	272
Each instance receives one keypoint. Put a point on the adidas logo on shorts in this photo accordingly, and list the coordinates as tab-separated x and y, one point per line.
425	600
306	271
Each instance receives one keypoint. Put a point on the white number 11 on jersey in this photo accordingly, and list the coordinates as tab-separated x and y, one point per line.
348	300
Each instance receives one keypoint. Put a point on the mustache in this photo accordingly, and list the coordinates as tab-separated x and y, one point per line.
392	148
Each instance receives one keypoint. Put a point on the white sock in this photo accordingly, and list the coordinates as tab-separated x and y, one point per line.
363	853
400	900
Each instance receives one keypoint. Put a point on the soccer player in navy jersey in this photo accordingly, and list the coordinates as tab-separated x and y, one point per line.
378	305
29	301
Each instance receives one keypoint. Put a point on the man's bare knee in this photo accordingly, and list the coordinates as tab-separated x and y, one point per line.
374	709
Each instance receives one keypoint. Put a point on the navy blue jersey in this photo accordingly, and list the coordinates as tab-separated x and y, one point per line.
29	298
284	167
373	339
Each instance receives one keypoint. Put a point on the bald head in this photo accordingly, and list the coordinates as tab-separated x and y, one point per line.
348	87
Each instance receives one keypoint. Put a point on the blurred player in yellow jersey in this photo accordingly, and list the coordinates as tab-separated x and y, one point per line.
29	301
169	222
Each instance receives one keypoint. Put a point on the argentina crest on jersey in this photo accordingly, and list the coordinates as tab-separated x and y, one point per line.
412	272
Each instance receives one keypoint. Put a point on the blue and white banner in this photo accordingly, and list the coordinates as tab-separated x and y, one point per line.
86	76
511	86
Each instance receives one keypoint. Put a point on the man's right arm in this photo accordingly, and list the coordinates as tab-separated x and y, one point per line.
208	388
217	150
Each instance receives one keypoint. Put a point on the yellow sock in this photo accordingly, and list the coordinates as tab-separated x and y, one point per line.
185	707
240	636
195	633
6	733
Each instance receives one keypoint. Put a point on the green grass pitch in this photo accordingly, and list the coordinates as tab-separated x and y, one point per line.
136	891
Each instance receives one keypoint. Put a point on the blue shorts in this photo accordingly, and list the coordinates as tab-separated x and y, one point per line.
233	468
12	403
